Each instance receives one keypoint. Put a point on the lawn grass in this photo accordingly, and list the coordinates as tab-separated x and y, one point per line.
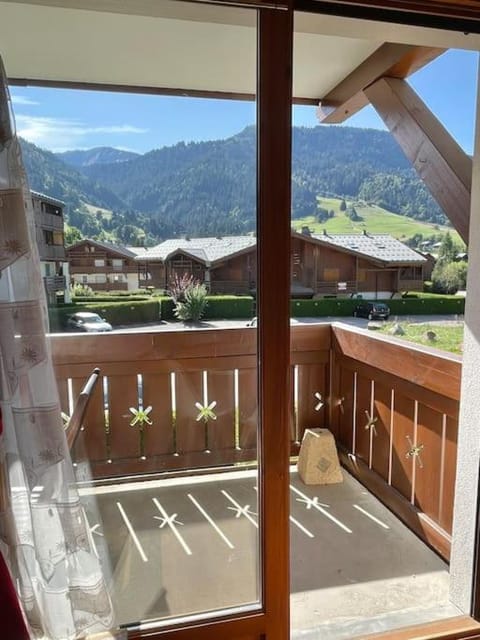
375	220
448	337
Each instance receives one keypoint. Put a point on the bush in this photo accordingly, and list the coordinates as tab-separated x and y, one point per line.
405	306
78	289
229	307
117	313
192	306
449	277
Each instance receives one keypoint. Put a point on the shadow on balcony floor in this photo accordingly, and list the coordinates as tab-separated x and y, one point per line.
176	547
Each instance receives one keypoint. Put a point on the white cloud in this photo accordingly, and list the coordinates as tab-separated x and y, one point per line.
64	133
23	101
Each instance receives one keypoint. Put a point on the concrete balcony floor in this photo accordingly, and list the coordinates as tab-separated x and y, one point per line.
183	546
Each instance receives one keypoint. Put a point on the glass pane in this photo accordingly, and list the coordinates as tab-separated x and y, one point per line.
375	417
159	201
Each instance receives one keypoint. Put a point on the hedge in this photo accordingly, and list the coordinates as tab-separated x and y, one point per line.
105	298
228	307
405	306
117	313
218	307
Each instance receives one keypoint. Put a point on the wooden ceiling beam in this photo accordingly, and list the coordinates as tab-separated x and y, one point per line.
438	159
390	59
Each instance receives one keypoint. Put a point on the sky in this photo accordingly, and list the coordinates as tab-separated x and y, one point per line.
60	119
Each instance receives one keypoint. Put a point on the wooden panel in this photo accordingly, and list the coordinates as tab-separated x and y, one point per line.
344	408
449	472
159	436
312	379
426	368
428	471
403	428
440	162
248	408
188	391
221	432
381	434
122	394
363	402
390	59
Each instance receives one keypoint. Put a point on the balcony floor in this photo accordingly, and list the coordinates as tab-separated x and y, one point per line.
180	546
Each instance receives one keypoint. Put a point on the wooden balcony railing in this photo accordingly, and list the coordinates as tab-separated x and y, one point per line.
392	408
394	412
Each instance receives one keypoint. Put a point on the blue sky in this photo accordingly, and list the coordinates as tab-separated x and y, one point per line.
63	119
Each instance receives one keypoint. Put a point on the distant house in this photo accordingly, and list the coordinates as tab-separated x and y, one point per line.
48	216
375	266
104	266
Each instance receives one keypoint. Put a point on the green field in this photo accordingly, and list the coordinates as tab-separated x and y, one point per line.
375	220
447	337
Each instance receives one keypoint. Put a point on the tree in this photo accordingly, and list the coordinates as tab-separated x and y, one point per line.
449	277
72	235
343	205
447	251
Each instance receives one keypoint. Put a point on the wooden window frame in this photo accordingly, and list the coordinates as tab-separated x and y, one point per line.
274	82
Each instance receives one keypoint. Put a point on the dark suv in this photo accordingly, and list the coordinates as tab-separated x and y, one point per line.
372	310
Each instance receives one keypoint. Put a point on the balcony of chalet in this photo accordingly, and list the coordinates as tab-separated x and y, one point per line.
172	506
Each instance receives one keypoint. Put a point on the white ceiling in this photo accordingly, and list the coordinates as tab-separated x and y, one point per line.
183	46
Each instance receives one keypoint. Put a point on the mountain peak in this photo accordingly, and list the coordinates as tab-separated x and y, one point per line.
97	155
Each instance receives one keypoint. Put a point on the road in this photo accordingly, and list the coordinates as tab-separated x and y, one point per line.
235	324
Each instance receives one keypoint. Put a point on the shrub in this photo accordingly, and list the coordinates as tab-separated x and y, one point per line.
79	289
192	305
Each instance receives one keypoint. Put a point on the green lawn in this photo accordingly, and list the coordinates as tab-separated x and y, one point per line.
375	220
448	337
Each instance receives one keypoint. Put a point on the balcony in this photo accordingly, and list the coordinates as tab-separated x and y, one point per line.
393	409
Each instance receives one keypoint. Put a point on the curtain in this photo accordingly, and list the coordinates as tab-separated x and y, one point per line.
45	541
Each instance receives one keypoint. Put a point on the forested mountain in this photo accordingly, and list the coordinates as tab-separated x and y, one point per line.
98	155
210	187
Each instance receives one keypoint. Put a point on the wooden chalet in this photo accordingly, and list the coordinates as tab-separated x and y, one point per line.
406	419
373	265
103	266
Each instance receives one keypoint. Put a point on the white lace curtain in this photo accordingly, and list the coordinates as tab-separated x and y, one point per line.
44	537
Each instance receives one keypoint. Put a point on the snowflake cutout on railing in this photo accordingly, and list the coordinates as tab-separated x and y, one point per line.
205	412
320	402
371	421
140	418
414	451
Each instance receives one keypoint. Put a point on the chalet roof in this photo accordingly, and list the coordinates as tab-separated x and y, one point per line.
380	247
207	250
46	198
377	246
106	246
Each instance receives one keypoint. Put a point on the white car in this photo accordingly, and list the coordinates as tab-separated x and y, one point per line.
88	322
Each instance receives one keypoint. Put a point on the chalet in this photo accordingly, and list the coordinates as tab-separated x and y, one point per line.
373	265
103	266
48	216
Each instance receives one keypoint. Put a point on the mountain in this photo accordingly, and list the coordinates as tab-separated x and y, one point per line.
98	155
209	188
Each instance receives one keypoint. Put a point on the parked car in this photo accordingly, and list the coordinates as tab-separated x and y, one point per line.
89	322
372	310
